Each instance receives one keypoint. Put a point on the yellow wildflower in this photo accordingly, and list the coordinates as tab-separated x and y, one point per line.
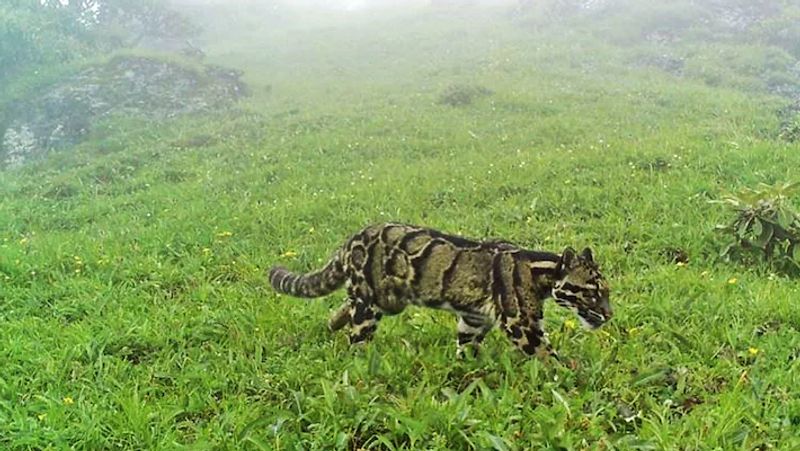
753	351
224	234
289	254
732	280
570	324
68	400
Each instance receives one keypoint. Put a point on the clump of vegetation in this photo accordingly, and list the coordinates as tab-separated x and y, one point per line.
201	140
790	129
461	95
765	223
657	164
670	64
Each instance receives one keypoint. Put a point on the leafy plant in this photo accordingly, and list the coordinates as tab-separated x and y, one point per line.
790	129
764	222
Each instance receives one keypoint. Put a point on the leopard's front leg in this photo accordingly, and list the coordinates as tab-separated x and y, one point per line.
525	331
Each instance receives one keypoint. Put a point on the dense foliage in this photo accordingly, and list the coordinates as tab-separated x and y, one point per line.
34	33
764	222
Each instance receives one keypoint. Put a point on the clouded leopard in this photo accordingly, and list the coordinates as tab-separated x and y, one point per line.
386	267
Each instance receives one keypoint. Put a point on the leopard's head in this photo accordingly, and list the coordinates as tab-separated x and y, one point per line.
581	288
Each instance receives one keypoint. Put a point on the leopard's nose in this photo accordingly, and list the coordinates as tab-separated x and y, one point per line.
608	312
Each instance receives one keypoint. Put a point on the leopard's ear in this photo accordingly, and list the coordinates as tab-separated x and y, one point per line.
567	257
565	262
587	255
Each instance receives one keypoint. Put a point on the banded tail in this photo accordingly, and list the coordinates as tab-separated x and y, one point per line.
309	285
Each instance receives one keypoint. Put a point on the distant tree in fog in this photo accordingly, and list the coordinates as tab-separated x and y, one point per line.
43	32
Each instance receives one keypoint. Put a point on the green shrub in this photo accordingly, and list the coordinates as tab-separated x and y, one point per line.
765	223
460	95
790	129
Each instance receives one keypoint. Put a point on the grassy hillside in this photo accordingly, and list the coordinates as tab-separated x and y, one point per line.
134	312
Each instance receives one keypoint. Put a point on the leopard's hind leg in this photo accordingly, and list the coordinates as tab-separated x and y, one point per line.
471	332
340	318
364	317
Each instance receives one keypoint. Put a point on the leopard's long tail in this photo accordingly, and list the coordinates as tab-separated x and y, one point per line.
309	285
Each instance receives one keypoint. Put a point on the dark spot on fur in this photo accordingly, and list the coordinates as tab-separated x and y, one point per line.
364	334
464	337
368	314
359	313
529	348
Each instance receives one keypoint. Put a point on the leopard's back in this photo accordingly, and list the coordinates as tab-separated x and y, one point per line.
398	264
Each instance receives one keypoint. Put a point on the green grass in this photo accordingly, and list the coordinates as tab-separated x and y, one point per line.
134	312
